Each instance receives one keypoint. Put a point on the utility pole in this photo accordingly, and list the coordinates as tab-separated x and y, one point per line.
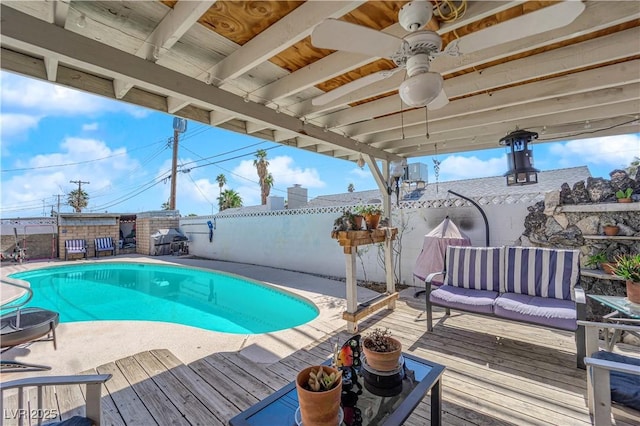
79	182
179	126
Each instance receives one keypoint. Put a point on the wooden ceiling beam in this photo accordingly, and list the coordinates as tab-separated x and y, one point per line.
22	32
287	31
166	34
491	141
597	16
590	112
59	12
593	79
521	114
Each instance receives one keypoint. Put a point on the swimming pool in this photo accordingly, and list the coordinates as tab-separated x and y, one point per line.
152	292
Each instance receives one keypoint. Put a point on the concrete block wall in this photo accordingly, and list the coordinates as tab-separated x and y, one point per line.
39	246
87	227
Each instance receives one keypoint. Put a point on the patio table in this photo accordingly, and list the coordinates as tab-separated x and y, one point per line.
421	376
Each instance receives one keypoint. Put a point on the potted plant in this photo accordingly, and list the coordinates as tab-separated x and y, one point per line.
371	215
628	267
382	351
624	196
610	229
319	391
600	260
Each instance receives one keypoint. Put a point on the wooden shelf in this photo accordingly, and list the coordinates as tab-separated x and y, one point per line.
600	207
596	273
606	237
353	239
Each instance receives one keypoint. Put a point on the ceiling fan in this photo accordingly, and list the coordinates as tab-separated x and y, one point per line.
415	52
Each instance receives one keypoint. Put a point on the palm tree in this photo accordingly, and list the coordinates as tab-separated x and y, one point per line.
351	187
268	184
222	181
165	205
261	165
229	199
78	199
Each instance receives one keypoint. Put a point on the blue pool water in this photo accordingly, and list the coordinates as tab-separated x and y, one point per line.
151	292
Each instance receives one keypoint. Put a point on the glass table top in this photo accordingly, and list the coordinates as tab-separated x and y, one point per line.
618	303
360	406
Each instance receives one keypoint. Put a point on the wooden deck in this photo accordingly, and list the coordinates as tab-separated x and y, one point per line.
498	373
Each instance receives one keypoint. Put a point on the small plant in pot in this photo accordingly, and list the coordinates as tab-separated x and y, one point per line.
600	260
319	390
628	267
624	196
371	215
382	352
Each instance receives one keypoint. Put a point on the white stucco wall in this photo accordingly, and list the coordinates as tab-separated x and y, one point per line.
301	240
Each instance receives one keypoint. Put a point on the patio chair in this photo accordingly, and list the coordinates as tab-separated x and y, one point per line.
104	244
611	377
35	388
75	247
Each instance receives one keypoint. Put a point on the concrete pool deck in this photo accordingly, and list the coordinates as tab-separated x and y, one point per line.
84	345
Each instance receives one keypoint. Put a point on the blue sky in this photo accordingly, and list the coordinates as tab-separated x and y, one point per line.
52	135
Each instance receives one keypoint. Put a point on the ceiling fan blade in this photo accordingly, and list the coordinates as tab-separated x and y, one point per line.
542	20
345	89
340	35
440	101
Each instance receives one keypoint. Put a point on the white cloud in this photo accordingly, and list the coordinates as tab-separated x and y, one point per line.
363	173
29	189
612	151
17	124
456	167
25	94
90	127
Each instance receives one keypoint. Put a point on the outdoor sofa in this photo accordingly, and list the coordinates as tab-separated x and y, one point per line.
532	285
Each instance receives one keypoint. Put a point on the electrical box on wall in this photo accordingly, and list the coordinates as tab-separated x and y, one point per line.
416	172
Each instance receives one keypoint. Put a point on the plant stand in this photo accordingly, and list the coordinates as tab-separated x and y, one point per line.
350	240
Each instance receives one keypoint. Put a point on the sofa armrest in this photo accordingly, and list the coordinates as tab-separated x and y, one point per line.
432	275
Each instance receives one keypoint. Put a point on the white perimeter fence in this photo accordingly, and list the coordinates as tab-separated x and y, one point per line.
300	239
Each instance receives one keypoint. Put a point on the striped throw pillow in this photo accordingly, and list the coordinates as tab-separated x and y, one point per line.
542	272
478	268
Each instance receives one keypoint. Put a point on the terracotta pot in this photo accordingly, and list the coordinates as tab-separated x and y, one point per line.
607	267
633	292
624	200
372	220
358	221
610	230
318	408
382	361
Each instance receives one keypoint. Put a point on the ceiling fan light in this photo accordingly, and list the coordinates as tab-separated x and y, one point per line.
419	90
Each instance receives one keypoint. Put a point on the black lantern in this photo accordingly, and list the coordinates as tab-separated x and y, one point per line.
521	170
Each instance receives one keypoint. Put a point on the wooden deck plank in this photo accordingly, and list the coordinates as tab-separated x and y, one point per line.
272	380
129	405
152	396
110	415
240	398
188	404
205	392
70	401
236	375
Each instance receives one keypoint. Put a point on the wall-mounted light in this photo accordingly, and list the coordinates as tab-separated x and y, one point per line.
520	158
397	171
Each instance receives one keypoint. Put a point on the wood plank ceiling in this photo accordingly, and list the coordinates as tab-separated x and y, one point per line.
250	67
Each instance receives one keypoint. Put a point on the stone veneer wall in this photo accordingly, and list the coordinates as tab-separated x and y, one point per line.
87	227
149	222
573	218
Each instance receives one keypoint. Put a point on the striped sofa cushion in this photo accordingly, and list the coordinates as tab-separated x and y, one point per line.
541	272
478	268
